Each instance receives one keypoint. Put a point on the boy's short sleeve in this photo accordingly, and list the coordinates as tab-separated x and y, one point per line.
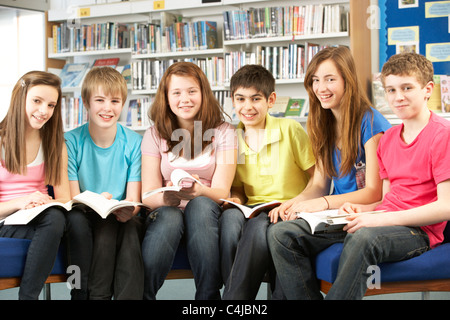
440	156
301	146
72	151
135	160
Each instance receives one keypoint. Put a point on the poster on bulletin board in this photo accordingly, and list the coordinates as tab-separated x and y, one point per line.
422	26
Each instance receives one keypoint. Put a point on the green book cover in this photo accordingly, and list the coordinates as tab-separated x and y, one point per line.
294	108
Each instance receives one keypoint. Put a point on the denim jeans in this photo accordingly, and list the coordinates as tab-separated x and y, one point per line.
245	257
199	223
108	253
45	233
294	249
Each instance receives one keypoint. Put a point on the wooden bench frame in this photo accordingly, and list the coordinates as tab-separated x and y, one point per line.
426	286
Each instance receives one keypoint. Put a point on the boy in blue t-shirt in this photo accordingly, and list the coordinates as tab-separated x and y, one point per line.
105	158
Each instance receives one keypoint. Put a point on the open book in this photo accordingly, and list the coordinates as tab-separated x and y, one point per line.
93	200
253	212
178	178
329	220
324	221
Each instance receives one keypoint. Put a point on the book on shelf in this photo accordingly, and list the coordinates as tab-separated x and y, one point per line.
125	71
179	178
171	34
73	74
295	107
284	21
378	95
73	112
279	107
137	112
435	101
146	73
251	212
97	202
445	92
90	37
229	110
106	62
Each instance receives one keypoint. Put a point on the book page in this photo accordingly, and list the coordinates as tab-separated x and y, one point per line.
24	216
179	174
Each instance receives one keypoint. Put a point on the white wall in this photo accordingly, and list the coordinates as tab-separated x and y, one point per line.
23	36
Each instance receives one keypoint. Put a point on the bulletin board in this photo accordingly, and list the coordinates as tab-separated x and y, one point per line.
421	26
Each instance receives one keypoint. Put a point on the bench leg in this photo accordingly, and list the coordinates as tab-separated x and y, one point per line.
46	292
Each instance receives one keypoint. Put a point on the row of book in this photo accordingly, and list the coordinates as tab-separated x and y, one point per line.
73	112
137	109
96	36
284	21
146	73
137	113
285	62
179	36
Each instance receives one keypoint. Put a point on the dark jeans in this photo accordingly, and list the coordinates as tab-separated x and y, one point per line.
165	228
245	257
45	233
294	249
108	253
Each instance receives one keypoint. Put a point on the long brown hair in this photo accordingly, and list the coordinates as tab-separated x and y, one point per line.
210	114
321	123
12	129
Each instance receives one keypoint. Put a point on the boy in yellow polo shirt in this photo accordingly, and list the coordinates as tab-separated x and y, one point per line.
275	162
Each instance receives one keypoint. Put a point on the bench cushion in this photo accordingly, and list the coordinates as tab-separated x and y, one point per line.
13	253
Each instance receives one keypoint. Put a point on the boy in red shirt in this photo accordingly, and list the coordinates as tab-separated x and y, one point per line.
414	162
413	159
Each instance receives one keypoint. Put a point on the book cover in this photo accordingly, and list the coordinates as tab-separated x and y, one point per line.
211	34
279	108
251	212
179	178
294	107
445	93
108	62
72	74
435	101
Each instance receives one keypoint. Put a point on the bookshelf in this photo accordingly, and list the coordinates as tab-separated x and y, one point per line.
220	60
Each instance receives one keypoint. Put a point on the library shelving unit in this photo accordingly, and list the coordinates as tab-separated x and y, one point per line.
229	51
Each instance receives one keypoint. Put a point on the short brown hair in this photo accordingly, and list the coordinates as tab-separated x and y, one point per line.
108	78
253	76
409	64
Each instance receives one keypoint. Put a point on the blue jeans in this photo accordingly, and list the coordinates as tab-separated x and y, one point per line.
45	233
199	223
294	249
245	256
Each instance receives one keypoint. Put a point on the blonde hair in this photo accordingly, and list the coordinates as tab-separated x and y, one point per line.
12	129
321	123
111	81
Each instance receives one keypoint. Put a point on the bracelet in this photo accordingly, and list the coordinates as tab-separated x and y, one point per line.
328	204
